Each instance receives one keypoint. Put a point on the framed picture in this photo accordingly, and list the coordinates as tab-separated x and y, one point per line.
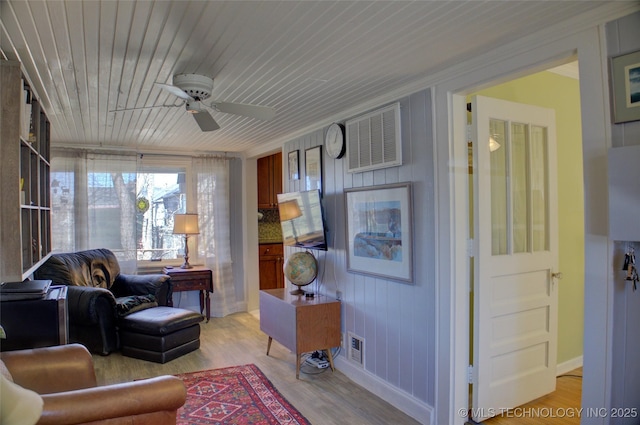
294	166
313	168
625	78
379	234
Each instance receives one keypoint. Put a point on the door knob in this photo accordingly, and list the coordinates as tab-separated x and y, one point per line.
557	275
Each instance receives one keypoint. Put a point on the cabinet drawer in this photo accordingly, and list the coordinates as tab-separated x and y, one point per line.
191	276
270	250
190	285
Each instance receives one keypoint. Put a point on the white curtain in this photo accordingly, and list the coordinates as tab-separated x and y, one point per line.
214	246
93	203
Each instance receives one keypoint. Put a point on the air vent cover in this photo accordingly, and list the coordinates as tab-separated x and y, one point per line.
355	349
373	140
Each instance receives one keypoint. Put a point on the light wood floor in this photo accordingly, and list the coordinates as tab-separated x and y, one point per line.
323	398
558	408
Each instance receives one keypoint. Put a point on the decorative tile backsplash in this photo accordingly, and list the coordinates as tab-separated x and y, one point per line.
269	229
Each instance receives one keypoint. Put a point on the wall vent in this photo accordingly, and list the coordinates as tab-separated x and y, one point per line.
355	348
373	140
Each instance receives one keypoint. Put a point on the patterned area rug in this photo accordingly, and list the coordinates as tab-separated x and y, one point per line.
239	395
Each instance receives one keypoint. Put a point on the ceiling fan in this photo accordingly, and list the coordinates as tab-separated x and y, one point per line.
194	89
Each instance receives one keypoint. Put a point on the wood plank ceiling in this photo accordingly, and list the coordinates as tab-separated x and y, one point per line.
311	60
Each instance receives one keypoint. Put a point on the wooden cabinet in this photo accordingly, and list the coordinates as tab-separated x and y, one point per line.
299	323
25	203
271	262
269	180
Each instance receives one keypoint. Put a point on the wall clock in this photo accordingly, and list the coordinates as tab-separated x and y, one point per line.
334	142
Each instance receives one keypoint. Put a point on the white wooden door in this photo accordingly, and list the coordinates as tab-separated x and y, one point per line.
515	221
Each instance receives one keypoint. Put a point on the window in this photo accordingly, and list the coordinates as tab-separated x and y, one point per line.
119	202
159	195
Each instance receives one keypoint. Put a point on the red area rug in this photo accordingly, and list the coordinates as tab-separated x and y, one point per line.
239	395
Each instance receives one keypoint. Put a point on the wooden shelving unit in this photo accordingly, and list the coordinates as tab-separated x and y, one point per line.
25	201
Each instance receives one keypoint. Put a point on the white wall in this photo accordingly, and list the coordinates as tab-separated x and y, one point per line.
623	36
397	320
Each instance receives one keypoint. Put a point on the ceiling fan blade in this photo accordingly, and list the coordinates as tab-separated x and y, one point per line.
176	91
205	121
264	113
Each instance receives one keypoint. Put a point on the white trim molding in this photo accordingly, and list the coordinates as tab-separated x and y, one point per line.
418	410
568	366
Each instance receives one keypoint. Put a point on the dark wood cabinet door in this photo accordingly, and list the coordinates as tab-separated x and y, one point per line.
269	274
264	183
269	180
271	261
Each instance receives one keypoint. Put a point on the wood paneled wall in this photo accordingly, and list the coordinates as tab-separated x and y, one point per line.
396	320
623	36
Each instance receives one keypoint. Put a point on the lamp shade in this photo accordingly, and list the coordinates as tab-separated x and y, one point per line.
289	210
185	224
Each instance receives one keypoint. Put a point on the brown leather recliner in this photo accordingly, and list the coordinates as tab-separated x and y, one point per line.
95	290
65	378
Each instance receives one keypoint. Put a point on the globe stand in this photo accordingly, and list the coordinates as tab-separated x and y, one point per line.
297	292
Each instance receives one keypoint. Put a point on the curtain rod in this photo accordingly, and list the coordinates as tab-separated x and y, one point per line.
110	150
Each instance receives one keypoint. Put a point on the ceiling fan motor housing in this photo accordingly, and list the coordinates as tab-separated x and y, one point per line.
197	86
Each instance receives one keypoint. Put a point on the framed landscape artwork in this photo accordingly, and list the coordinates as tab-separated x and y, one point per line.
379	231
625	79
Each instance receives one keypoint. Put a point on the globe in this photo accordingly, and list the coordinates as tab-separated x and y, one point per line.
301	269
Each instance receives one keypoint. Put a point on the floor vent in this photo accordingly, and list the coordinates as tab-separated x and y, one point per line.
373	140
356	345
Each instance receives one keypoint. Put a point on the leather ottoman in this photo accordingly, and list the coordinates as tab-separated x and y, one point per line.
160	334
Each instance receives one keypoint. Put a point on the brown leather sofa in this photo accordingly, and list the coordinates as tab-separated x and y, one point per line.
65	378
98	294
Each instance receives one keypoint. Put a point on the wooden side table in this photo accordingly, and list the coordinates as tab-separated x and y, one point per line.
193	279
300	324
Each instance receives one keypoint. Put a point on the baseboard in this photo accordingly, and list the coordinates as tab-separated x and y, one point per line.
401	400
568	366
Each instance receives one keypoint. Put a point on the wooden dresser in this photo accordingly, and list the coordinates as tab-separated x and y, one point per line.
300	324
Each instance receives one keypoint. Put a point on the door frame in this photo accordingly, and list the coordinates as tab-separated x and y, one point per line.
452	210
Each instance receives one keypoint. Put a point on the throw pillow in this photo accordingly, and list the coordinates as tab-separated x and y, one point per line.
18	406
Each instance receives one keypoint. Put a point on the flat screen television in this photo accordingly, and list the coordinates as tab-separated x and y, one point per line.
302	220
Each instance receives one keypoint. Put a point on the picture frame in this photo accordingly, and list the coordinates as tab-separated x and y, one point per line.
313	168
294	165
379	234
625	81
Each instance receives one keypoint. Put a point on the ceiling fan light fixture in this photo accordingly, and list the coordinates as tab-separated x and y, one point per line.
194	89
193	107
199	87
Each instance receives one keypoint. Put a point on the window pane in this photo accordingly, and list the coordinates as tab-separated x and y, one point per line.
499	210
160	195
63	210
519	187
539	185
105	211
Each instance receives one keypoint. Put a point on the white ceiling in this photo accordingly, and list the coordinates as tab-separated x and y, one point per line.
311	60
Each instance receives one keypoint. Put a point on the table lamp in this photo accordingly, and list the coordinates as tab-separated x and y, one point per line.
290	210
185	224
